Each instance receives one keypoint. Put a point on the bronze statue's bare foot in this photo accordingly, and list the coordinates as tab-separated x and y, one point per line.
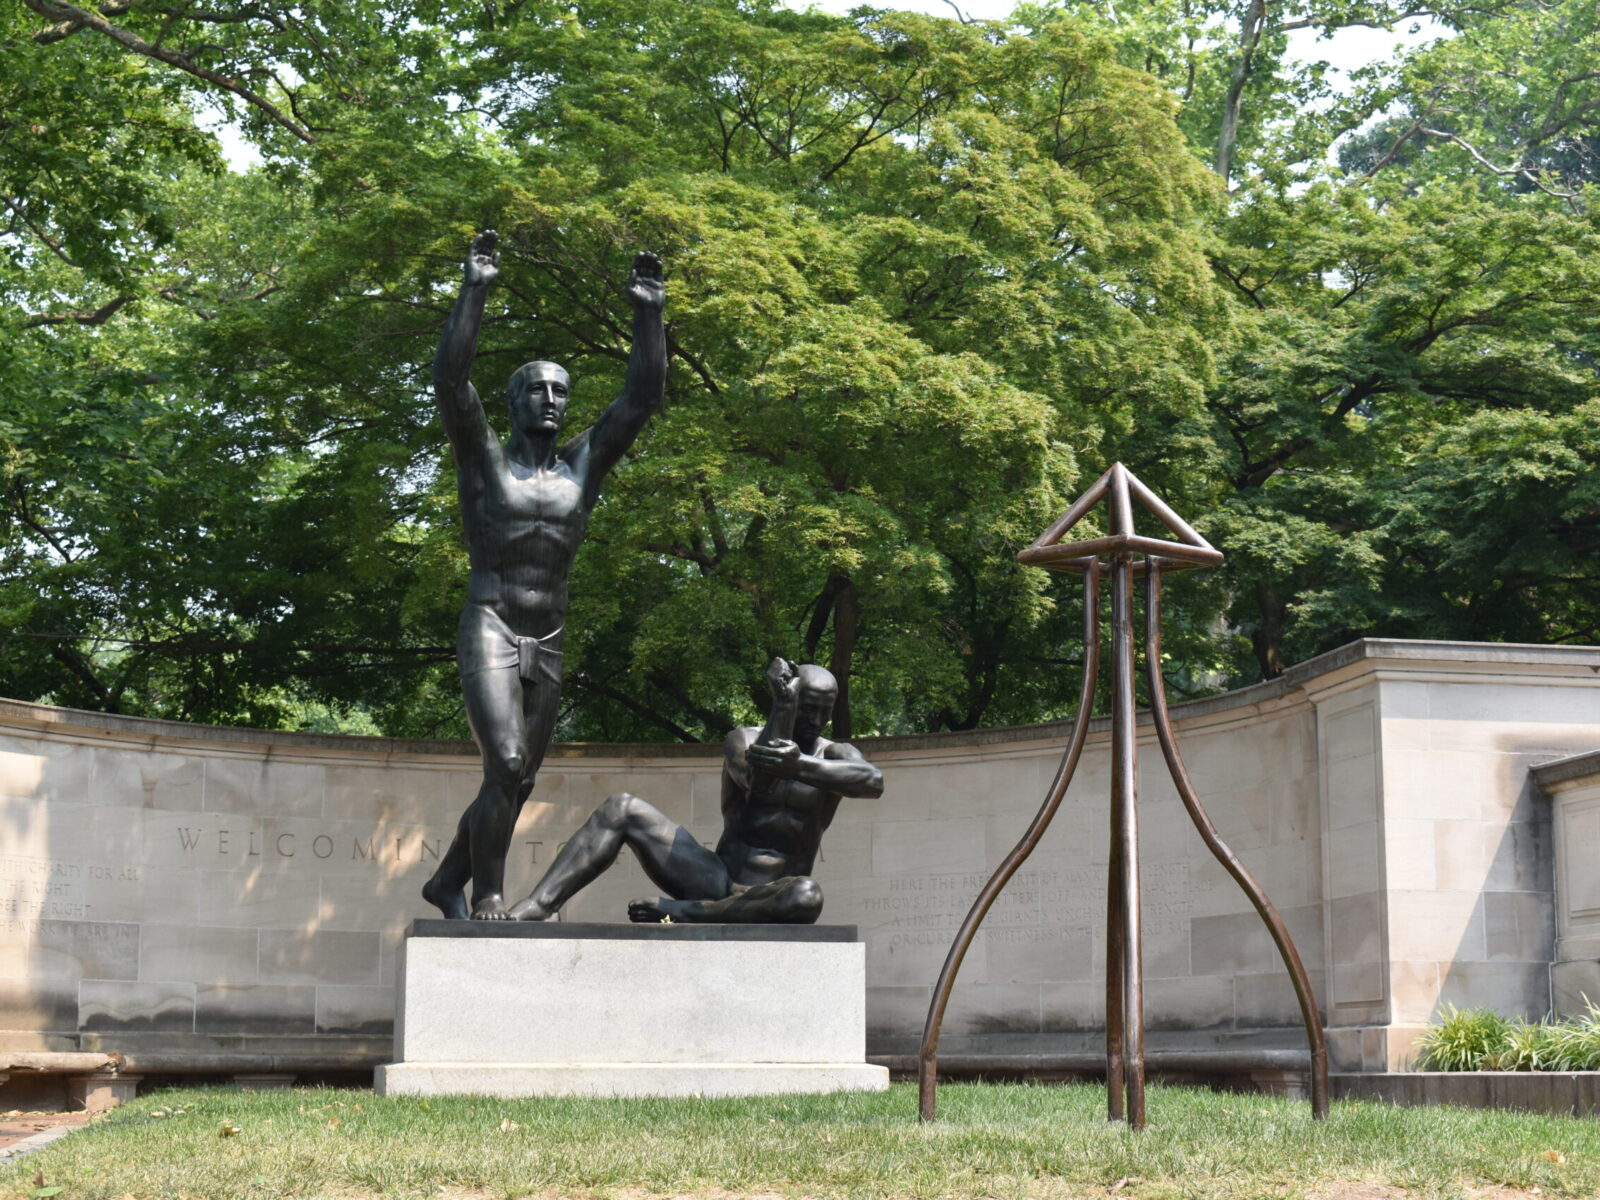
452	904
491	908
645	912
654	910
528	910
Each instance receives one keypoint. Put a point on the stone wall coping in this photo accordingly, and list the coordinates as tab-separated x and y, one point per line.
1572	771
1366	656
58	1061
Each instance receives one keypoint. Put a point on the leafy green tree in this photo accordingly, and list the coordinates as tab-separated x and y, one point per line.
927	278
848	208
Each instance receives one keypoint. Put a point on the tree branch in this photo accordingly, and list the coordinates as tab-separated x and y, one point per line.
596	688
60	10
1519	170
98	317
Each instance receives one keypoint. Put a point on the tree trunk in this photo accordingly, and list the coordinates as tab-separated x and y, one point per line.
1267	637
1255	20
846	623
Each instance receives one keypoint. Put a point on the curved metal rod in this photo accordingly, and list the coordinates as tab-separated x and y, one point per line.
1219	848
927	1067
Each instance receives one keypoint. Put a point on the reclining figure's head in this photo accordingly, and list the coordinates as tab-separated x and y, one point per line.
818	690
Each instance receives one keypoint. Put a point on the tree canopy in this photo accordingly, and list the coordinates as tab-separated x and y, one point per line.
927	277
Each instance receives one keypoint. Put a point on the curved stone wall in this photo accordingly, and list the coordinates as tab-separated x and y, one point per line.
169	889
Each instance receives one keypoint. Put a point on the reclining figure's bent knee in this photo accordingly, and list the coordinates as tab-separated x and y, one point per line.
799	903
617	811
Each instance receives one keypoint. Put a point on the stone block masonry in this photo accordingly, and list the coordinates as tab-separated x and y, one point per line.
177	893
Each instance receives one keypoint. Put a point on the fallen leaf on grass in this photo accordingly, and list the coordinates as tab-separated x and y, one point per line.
333	1122
507	1125
229	1129
1554	1156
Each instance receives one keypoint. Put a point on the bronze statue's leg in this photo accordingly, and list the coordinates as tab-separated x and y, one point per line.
494	700
446	890
795	900
512	721
667	851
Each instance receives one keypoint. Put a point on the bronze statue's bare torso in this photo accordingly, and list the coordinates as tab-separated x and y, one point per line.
523	526
773	831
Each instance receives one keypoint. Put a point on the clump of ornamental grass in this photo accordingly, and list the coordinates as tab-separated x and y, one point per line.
1463	1040
1576	1043
1529	1046
1480	1039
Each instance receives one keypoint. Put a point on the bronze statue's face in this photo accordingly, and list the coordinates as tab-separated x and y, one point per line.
537	398
818	691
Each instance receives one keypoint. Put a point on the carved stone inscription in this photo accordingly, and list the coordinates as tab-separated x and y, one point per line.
201	843
50	889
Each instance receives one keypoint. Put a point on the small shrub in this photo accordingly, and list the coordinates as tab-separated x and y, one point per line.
1464	1039
1480	1039
1530	1046
1576	1043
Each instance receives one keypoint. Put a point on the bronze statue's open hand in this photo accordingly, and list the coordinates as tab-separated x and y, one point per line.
645	286
783	678
483	260
781	757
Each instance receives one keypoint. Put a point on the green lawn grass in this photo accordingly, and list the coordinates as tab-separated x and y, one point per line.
999	1141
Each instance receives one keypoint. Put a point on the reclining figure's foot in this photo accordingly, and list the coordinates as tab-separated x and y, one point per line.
491	908
453	904
654	910
529	910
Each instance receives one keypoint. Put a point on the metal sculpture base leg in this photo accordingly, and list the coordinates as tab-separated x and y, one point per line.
1125	1035
1309	1012
927	1059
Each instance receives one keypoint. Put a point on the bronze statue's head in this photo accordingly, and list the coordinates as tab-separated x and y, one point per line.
536	397
818	690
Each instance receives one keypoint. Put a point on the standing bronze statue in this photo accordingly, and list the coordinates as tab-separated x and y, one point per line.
525	504
781	786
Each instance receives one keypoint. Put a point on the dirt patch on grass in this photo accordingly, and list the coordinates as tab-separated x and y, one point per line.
1385	1191
14	1125
1130	1190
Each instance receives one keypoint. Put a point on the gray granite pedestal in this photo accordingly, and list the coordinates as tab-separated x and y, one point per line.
570	1009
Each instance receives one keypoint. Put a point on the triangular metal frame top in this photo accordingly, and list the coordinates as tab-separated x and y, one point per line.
1122	487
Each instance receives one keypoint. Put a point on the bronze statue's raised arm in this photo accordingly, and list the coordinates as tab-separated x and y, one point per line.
841	769
838	767
608	439
783	681
459	406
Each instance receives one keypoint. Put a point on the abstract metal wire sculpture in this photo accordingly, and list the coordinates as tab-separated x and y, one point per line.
1124	950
